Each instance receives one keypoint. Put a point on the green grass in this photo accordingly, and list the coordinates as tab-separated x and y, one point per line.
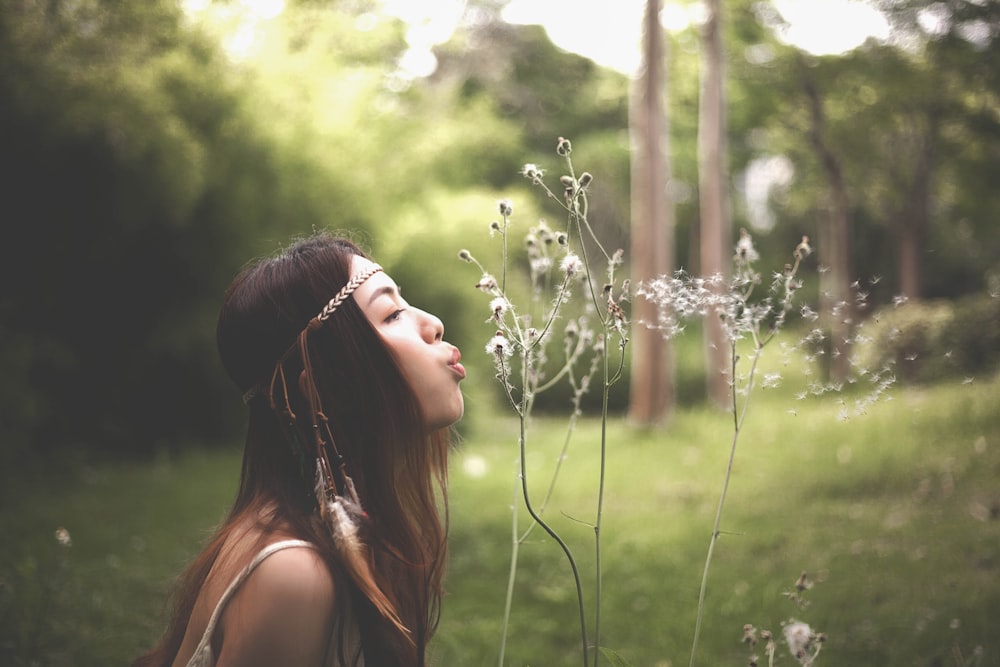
893	512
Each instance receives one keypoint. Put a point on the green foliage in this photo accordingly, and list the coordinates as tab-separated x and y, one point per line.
894	515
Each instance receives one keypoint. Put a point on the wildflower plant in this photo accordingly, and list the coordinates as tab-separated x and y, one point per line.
753	308
803	642
568	308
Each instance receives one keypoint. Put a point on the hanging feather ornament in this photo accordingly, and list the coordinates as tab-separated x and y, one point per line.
343	514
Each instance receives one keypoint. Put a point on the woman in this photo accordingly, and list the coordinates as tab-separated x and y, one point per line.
334	549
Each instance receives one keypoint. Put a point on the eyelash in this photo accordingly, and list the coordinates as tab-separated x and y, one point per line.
395	315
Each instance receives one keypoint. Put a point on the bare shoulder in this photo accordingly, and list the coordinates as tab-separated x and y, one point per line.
294	571
283	614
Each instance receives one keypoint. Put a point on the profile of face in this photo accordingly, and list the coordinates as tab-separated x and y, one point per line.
430	365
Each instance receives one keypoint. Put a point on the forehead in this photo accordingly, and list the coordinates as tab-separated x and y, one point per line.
379	283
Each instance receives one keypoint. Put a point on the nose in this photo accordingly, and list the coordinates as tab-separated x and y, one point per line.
431	327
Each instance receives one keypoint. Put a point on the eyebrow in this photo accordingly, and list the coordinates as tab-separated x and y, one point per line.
391	290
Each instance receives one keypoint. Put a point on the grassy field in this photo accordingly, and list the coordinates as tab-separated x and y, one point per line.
894	513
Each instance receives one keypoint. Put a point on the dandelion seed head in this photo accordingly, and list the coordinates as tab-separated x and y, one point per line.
571	264
487	283
499	346
800	639
63	537
532	172
745	252
506	207
498	307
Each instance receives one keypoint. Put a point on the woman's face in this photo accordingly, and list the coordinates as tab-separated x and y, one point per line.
429	364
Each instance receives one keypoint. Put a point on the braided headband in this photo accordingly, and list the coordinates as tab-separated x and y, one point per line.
328	310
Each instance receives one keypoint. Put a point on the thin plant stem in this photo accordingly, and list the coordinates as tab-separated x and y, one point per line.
559	541
600	504
738	418
511	577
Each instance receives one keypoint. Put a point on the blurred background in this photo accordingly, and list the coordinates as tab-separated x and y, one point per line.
149	149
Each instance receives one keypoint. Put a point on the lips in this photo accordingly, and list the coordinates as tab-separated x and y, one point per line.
454	364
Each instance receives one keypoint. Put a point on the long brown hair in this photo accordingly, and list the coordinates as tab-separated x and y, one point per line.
376	422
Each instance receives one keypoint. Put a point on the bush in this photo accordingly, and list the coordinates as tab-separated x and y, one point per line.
934	340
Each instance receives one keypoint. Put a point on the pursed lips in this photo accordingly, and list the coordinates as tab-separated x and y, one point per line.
454	363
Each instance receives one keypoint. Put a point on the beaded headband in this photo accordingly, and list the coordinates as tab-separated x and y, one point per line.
328	310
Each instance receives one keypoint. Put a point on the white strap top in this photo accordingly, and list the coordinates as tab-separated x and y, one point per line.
203	656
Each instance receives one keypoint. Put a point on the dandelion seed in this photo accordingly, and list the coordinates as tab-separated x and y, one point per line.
968	380
899	300
771	380
875	280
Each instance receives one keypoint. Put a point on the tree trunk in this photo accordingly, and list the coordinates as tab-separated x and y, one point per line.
716	229
836	305
651	394
911	227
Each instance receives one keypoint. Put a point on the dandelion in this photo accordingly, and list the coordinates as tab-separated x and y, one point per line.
533	172
803	249
498	307
506	207
465	255
571	265
564	147
745	252
801	641
487	283
499	346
